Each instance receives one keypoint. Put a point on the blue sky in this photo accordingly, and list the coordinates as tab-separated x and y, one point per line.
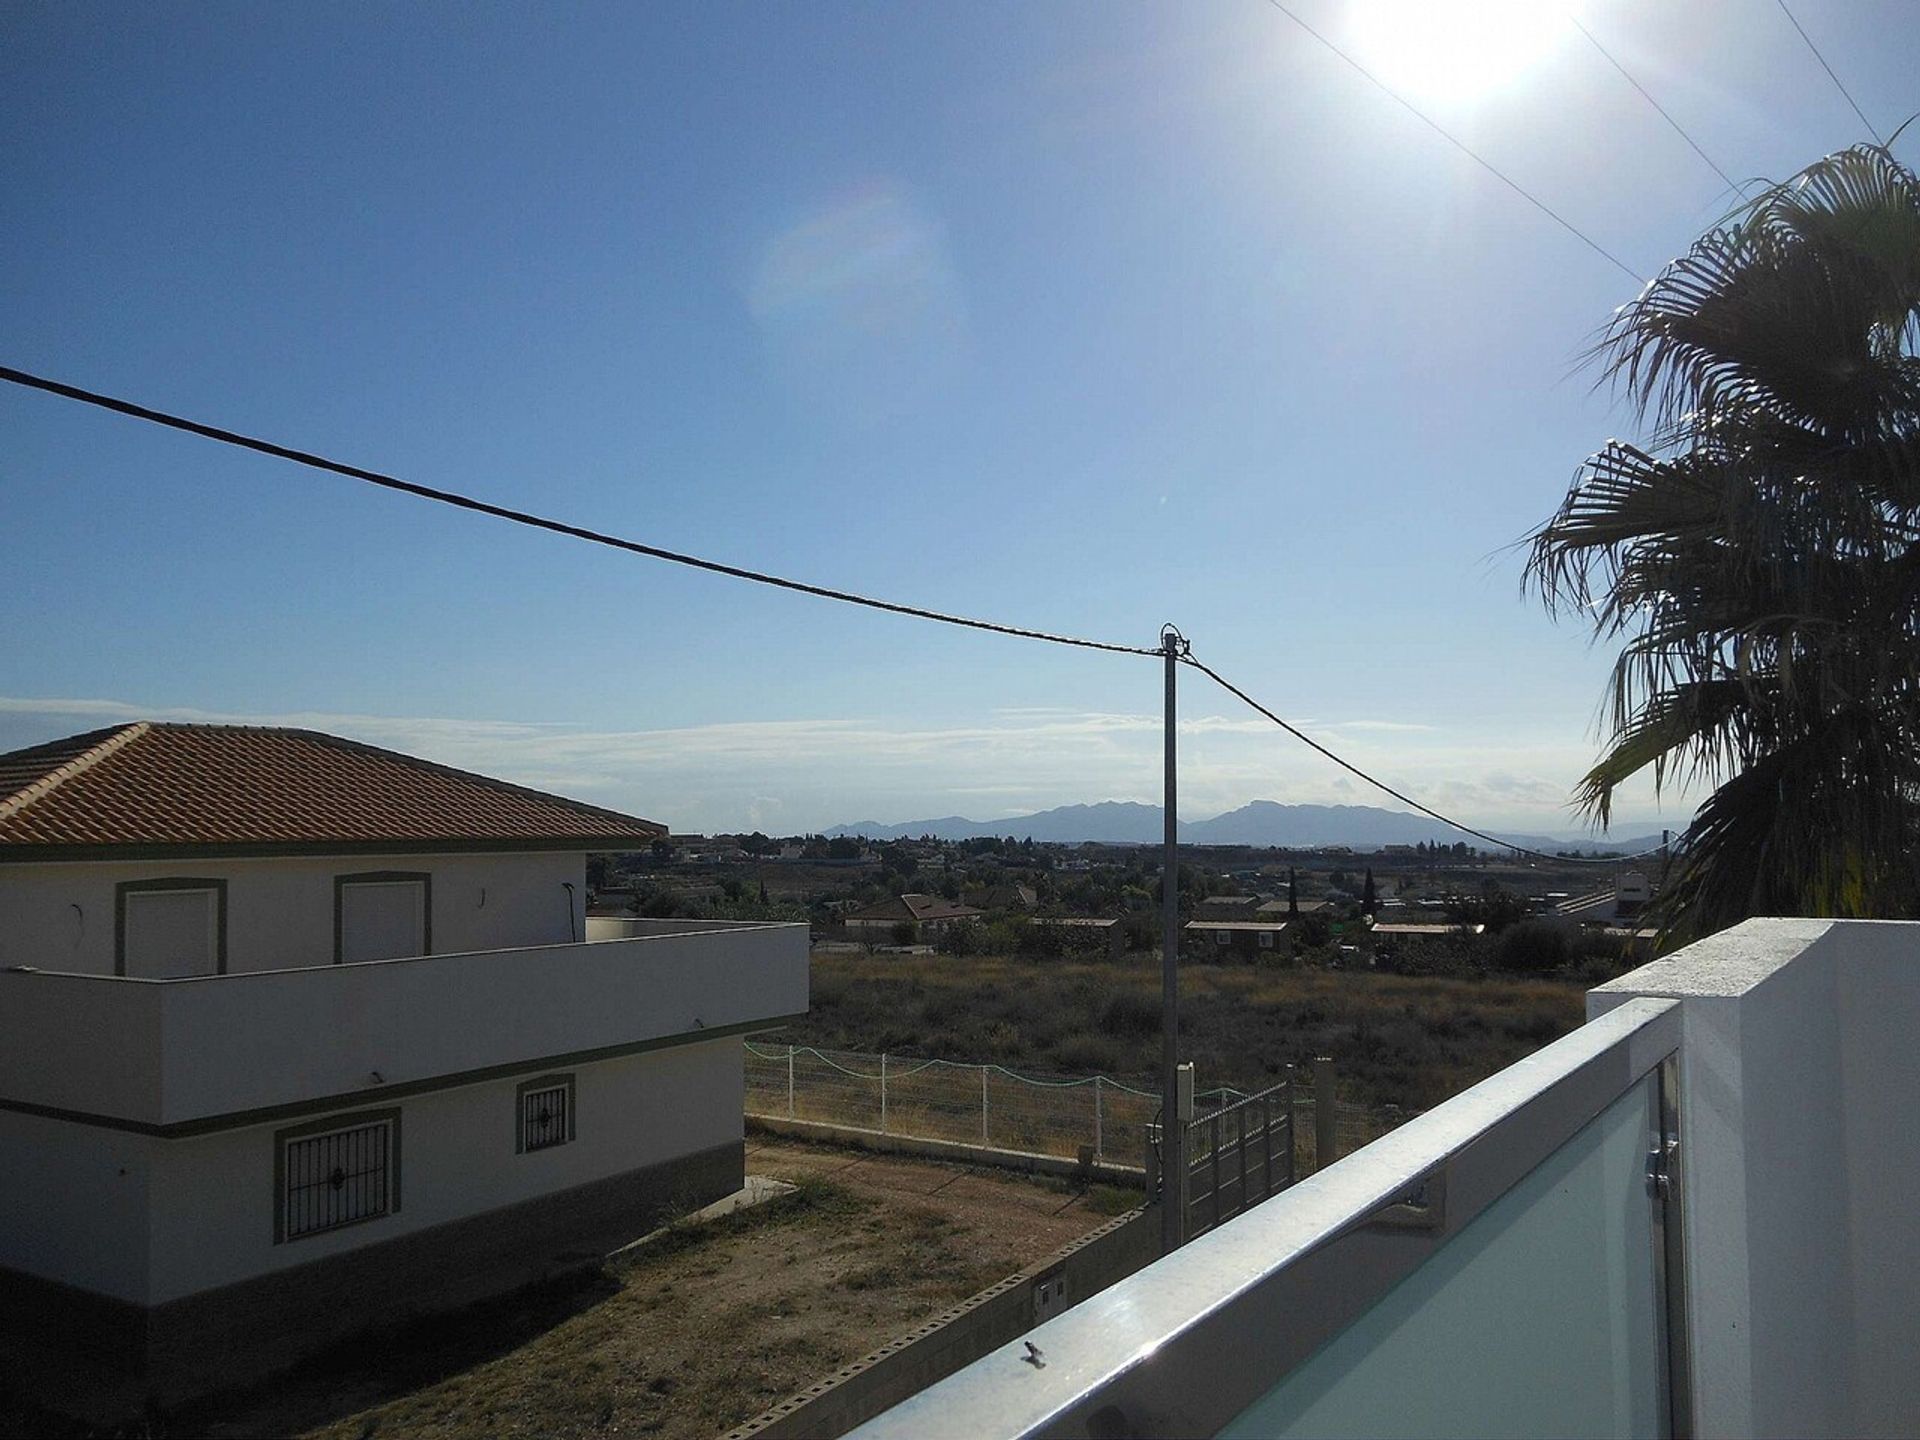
1078	316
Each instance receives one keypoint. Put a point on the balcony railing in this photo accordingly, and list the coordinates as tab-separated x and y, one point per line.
1691	1216
171	1054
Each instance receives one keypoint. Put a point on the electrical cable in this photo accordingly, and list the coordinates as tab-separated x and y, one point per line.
1402	797
1830	75
1645	94
1467	150
538	522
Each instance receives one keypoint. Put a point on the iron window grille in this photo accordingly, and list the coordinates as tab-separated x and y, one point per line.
546	1113
338	1175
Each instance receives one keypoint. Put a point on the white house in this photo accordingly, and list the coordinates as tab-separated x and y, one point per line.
298	1036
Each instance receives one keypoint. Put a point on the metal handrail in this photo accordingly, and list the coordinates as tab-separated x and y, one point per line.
1186	1345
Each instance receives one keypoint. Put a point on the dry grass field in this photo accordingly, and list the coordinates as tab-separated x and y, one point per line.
691	1336
1398	1039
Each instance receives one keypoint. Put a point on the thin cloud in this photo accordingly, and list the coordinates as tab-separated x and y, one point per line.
807	774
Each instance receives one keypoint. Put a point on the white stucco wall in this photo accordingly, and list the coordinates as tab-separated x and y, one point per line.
73	1204
280	911
212	1197
1799	1080
1879	985
149	1220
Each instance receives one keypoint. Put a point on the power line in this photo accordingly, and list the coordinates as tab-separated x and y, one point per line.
1647	95
1402	797
538	522
1467	150
1830	75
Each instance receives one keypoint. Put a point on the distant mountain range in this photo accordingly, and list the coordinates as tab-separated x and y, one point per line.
1262	822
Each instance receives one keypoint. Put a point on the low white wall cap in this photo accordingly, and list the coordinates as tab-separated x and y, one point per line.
1722	966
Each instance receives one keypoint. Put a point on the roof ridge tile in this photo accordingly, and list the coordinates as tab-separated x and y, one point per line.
86	760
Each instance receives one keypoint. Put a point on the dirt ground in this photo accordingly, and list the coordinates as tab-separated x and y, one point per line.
691	1336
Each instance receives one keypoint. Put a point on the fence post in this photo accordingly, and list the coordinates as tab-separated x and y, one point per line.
789	1082
1173	1143
1216	1168
1326	1118
1097	1119
1245	1204
1266	1145
1293	1124
883	1093
983	1103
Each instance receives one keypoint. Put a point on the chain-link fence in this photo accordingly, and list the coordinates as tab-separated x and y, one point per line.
1000	1109
1354	1126
987	1105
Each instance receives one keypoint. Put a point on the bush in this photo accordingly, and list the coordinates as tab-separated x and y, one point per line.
1045	941
1131	1015
1532	946
1085	1055
960	938
1143	929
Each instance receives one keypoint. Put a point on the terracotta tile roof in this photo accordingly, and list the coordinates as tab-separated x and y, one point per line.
157	788
916	907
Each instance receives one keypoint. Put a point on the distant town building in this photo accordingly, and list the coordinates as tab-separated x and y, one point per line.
1281	909
1247	939
1005	897
931	913
1630	895
1227	907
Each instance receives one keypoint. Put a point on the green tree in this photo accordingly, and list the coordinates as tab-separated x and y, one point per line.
1369	898
1755	557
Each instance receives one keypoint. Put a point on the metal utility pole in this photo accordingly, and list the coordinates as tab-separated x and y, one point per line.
1173	1130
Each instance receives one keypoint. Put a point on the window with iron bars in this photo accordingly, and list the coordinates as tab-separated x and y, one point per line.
546	1113
334	1174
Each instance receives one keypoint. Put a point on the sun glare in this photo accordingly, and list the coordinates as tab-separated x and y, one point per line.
1456	49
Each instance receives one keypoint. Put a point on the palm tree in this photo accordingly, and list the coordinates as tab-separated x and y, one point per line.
1756	555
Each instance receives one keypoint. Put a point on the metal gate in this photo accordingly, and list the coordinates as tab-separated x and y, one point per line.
1238	1156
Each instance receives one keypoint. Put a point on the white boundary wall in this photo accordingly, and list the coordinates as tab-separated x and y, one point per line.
169	1051
1800	1082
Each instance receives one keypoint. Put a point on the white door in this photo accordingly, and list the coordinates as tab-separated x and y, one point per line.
170	933
382	919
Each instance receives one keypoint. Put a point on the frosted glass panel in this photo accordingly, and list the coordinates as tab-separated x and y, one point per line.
1539	1318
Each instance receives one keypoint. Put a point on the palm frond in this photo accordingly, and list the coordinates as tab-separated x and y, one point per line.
1756	555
